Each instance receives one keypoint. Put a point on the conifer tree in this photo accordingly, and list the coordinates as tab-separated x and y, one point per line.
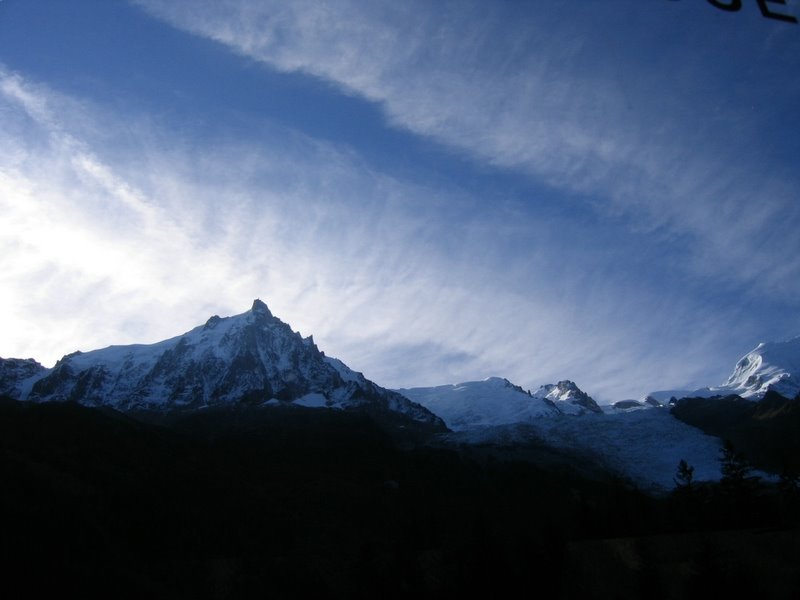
734	466
684	477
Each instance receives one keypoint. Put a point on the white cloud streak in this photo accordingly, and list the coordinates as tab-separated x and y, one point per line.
173	232
551	96
115	230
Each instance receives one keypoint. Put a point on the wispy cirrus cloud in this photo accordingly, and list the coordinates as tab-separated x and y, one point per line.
116	229
644	123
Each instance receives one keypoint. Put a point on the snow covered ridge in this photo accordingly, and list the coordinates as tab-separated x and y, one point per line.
774	366
643	446
253	357
496	401
770	366
568	398
17	375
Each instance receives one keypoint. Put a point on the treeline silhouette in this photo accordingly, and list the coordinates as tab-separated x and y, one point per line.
766	431
292	502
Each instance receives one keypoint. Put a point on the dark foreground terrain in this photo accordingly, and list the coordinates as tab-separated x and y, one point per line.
768	431
292	502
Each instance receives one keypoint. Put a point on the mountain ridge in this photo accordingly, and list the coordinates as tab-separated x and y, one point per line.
770	366
252	358
496	401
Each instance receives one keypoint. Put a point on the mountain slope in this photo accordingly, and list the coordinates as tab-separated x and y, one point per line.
643	446
17	375
568	398
771	366
251	358
764	431
496	401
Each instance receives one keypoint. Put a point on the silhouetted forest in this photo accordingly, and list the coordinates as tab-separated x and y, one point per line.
290	502
767	430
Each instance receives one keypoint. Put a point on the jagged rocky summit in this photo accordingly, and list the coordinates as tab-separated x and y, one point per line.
252	358
568	398
496	401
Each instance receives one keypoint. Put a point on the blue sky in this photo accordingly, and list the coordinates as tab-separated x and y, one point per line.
438	192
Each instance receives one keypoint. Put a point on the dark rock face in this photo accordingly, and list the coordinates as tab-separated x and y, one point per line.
570	392
627	404
14	372
765	431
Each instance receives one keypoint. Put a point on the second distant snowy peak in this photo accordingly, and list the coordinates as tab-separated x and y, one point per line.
496	401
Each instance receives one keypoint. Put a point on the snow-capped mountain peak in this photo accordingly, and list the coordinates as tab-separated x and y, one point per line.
253	357
769	366
471	404
496	401
260	309
570	398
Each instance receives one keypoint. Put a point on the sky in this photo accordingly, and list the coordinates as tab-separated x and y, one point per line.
439	192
